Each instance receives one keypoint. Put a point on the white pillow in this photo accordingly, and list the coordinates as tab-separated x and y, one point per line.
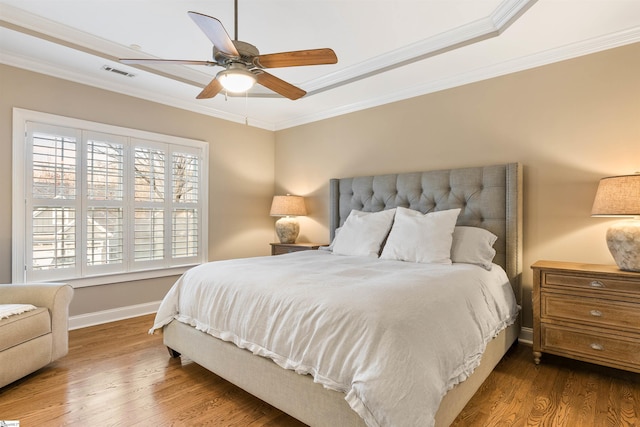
473	245
362	233
418	237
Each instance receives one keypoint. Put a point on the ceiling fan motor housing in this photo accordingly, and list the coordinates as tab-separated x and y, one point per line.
246	50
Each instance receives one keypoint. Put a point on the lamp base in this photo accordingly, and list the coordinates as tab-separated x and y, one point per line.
287	229
623	240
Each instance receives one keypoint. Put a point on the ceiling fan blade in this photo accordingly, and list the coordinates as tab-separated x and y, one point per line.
210	90
145	61
215	31
279	86
297	58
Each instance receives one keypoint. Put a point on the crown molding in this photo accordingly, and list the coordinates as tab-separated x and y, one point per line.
44	29
65	74
610	41
481	29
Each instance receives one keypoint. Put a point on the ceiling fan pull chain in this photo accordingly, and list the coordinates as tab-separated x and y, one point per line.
246	108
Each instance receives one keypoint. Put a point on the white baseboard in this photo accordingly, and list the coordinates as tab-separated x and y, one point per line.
106	316
526	335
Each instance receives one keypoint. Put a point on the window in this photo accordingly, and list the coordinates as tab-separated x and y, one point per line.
95	203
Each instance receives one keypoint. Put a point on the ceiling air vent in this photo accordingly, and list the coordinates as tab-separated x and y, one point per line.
115	70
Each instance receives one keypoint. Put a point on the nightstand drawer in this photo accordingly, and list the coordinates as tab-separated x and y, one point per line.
286	248
594	282
591	311
601	348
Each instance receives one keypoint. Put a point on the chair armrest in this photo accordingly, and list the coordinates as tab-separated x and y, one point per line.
54	296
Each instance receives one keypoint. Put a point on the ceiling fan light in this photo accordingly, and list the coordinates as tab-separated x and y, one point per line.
236	79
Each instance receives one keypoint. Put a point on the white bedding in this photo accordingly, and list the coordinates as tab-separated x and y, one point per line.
394	336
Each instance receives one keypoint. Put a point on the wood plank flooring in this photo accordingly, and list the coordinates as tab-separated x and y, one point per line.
118	375
558	392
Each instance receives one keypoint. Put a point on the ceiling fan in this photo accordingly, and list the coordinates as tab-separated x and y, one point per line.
242	62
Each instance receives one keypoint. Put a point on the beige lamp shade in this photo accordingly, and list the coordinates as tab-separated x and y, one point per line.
288	206
287	227
620	196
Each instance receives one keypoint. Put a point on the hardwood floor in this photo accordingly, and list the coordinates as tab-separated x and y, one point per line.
558	392
116	374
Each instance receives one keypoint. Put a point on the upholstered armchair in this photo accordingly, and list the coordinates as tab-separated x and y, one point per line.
34	338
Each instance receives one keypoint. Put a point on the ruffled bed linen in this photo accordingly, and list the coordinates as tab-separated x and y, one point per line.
393	336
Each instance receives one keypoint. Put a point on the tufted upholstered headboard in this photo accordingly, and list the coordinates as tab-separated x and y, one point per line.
490	197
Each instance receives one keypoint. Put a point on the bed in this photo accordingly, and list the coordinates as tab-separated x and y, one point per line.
487	198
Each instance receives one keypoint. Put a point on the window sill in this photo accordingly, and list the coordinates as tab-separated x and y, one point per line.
126	277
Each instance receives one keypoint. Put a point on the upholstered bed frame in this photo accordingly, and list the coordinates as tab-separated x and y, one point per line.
490	197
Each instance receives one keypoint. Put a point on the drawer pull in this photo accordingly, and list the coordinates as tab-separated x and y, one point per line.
597	284
596	313
597	346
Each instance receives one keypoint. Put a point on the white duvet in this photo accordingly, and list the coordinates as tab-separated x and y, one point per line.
393	336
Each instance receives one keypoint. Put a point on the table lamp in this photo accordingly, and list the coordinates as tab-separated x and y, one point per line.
288	207
619	196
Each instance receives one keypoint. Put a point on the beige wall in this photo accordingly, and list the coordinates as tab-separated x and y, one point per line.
241	173
569	124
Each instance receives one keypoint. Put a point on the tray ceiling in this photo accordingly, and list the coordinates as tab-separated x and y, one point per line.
388	50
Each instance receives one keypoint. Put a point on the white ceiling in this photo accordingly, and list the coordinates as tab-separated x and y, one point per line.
387	50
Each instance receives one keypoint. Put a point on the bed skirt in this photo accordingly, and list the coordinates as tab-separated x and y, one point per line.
298	395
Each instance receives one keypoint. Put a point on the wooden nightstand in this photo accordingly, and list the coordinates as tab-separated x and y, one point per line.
285	248
588	312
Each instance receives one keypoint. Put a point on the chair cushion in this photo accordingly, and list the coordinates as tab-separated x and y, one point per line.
20	328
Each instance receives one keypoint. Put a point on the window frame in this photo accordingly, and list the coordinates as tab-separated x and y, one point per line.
22	200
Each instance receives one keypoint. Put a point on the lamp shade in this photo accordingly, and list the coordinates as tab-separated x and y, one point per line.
618	196
288	206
